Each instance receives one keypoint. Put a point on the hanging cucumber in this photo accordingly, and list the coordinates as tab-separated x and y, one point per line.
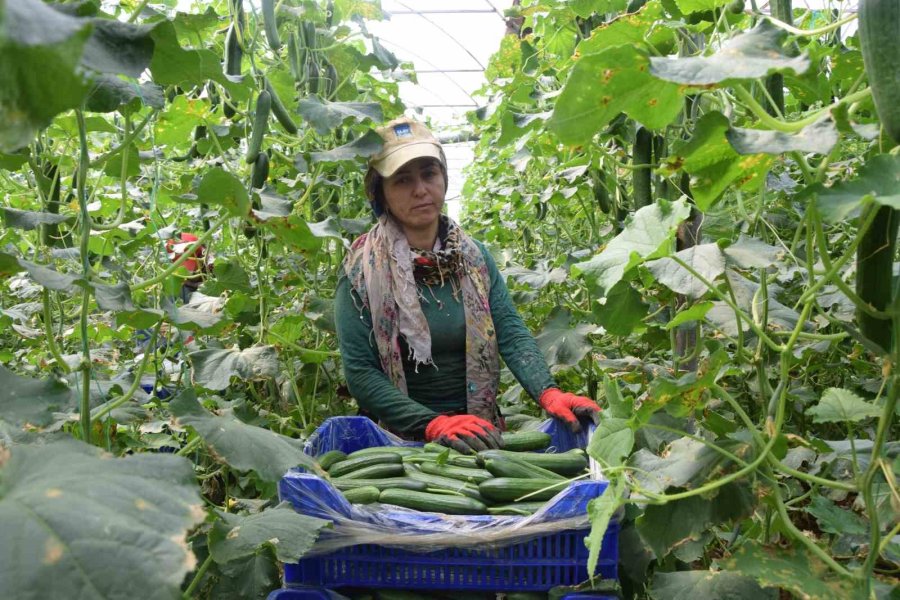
641	177
234	54
260	172
879	25
314	74
874	272
280	111
260	122
329	80
601	194
292	55
268	13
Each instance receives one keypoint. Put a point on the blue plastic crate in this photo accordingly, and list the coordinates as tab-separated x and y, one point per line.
537	564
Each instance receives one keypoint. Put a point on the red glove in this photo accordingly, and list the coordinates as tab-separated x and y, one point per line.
176	249
568	407
463	433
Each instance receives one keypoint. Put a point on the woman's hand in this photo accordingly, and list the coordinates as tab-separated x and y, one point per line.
464	433
568	407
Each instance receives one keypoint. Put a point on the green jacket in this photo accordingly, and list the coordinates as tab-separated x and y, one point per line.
439	388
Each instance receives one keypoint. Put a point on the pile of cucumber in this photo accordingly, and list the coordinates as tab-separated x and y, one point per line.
433	478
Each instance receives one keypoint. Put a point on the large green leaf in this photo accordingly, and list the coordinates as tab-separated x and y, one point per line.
602	85
249	578
712	163
219	187
286	531
691	585
116	47
562	343
214	367
40	76
77	523
748	55
623	310
879	180
611	442
27	220
692	6
792	569
820	137
751	253
647	235
706	260
32	402
641	27
242	446
326	116
842	406
685	464
666	526
362	147
109	93
834	519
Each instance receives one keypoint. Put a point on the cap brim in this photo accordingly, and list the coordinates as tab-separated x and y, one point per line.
389	164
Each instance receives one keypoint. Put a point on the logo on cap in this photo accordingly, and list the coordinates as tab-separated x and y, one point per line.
402	130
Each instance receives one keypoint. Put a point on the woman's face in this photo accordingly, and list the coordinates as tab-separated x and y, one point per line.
414	194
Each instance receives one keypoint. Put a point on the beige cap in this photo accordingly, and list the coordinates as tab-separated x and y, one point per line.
404	140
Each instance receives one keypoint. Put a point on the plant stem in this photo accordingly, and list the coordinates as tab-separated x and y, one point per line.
189	592
107	408
792	126
86	274
811	32
51	337
123	189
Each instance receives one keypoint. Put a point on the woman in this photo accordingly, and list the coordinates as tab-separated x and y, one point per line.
423	314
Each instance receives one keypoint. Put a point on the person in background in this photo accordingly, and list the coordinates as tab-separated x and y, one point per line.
196	264
423	314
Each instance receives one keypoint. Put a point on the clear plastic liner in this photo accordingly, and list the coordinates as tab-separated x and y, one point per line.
417	531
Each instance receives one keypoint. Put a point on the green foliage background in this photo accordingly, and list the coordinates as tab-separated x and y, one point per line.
684	241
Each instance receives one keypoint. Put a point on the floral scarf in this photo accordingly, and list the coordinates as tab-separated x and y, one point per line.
384	271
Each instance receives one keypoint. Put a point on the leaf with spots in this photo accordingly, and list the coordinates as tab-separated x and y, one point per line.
286	531
792	569
77	523
641	27
689	585
748	55
713	164
610	82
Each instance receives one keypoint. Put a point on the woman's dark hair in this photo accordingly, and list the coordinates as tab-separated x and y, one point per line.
374	184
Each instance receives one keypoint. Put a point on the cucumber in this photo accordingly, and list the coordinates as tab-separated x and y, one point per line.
510	467
461	473
234	54
517	508
446	483
327	460
439	503
565	463
525	441
381	471
469	462
366	494
352	464
641	176
879	24
260	122
258	176
398	450
280	111
874	272
268	13
435	448
511	489
601	196
400	483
